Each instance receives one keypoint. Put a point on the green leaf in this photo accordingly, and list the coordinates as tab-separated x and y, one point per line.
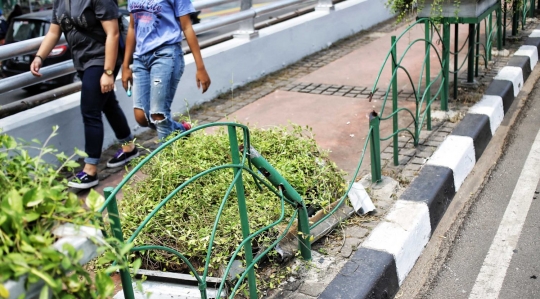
94	200
4	293
33	197
15	201
46	277
30	217
44	294
104	285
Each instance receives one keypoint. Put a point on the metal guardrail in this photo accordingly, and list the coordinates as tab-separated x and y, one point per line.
65	68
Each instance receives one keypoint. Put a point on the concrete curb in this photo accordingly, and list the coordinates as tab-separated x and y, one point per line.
406	230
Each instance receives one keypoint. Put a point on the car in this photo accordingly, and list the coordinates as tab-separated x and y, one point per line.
29	26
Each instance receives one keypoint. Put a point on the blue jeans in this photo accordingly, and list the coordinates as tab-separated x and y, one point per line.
156	75
93	104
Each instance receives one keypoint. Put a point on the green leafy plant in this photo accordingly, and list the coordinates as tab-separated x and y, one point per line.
34	201
185	223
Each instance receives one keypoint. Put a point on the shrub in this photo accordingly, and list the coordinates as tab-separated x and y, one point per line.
185	222
34	200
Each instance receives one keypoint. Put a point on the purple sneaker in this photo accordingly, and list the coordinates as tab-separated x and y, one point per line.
121	158
83	180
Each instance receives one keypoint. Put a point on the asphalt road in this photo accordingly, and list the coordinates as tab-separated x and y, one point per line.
497	251
206	15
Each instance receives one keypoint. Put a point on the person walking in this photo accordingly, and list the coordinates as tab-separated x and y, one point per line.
153	48
91	28
4	25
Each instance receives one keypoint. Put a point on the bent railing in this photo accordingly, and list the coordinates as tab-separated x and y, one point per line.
276	184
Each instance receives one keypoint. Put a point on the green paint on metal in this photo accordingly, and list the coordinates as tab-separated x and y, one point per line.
394	99
427	61
242	209
375	148
116	228
272	175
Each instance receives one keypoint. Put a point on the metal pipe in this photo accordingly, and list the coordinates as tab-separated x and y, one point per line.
395	124
226	20
470	56
244	15
199	5
277	5
24	47
38	99
456	59
27	79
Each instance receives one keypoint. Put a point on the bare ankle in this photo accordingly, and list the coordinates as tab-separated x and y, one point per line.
90	169
128	147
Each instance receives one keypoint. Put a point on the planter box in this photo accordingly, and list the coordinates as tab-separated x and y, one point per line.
67	233
466	8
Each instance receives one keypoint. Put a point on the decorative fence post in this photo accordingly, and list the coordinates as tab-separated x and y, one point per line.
499	29
446	66
375	147
470	54
394	99
242	209
515	17
428	77
116	228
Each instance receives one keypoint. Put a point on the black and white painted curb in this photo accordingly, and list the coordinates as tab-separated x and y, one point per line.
383	260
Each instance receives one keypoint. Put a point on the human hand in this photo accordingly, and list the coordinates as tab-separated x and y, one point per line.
202	79
127	77
107	83
36	66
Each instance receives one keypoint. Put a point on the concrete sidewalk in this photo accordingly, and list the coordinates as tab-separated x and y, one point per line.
329	91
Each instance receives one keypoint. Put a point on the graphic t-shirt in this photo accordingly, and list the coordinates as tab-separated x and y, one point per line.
87	15
156	22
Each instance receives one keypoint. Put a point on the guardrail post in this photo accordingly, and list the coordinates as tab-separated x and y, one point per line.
470	57
499	28
278	181
446	66
489	38
116	227
246	28
515	17
428	76
395	128
242	209
477	52
325	5
456	59
375	148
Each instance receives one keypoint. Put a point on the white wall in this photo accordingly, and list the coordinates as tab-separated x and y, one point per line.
239	60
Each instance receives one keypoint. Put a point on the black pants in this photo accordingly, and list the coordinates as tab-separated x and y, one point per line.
93	103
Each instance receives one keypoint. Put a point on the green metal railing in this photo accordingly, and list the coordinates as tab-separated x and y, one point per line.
276	184
423	97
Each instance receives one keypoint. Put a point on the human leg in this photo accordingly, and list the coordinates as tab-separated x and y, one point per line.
166	69
92	101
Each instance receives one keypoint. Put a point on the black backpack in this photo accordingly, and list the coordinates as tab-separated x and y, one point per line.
123	25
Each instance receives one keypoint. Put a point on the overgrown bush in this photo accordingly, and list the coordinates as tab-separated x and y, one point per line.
186	222
34	200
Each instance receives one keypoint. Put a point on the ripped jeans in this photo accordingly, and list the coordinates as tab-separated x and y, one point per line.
156	75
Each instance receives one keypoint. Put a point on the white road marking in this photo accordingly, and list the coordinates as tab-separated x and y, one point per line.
491	277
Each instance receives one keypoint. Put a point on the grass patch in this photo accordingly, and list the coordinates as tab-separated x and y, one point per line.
186	222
